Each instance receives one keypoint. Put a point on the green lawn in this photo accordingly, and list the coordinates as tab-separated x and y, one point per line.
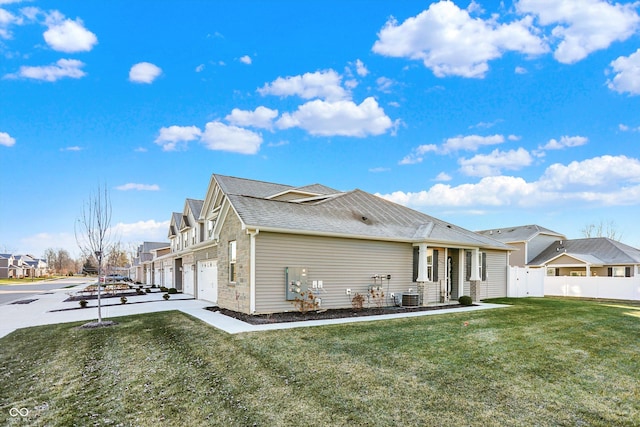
544	362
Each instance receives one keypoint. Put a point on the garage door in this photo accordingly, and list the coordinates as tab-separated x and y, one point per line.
187	279
168	277
208	281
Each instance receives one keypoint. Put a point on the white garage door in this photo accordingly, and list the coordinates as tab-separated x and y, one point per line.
208	281
168	277
187	279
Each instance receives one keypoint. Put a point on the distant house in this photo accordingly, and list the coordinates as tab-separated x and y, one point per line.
589	257
256	247
22	266
140	270
528	240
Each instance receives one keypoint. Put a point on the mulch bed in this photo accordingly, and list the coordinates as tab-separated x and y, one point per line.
296	316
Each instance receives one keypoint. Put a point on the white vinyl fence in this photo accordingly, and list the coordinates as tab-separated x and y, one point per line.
625	288
525	282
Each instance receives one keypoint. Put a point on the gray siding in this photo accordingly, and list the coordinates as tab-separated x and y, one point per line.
517	258
496	284
339	263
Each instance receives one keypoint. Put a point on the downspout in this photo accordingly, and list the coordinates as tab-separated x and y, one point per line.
252	270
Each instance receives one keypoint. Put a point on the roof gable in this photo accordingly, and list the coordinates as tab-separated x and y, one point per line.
600	249
353	214
521	233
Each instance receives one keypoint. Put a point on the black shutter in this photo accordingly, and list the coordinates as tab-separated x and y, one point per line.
627	272
416	259
468	264
610	272
434	268
484	267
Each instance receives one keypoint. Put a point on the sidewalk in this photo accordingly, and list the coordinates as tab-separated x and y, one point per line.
40	312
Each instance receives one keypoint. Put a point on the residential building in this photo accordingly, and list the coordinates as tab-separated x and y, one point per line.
527	240
256	247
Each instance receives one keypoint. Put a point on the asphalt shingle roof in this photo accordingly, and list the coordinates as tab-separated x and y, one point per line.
521	233
352	214
598	250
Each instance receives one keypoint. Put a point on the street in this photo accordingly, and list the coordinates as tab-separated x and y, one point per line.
10	293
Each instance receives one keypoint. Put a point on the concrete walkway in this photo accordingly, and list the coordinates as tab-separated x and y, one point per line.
49	308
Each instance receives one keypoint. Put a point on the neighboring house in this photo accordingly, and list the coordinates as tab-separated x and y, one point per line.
140	271
529	240
21	266
256	247
589	257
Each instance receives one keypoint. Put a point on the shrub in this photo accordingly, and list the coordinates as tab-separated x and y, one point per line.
172	291
139	292
166	297
305	302
123	300
147	290
163	289
465	300
357	302
83	303
153	286
377	294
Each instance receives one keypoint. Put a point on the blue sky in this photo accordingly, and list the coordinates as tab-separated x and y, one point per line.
486	114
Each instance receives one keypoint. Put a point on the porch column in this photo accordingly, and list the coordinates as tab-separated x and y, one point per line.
475	266
422	263
588	270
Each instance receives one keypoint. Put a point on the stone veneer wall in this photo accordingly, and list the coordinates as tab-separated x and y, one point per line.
234	296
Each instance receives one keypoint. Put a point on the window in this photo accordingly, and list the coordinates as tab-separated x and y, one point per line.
619	272
482	264
232	261
552	271
429	265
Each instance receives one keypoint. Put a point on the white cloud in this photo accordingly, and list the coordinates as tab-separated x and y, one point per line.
138	187
520	70
450	42
65	35
218	136
321	84
384	84
443	176
176	137
469	142
343	118
417	154
583	26
6	139
361	70
7	19
261	117
63	68
379	170
495	162
149	230
72	148
565	141
200	68
625	128
600	181
604	173
627	74
246	59
144	72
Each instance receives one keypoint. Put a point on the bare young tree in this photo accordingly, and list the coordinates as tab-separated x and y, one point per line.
93	231
602	229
